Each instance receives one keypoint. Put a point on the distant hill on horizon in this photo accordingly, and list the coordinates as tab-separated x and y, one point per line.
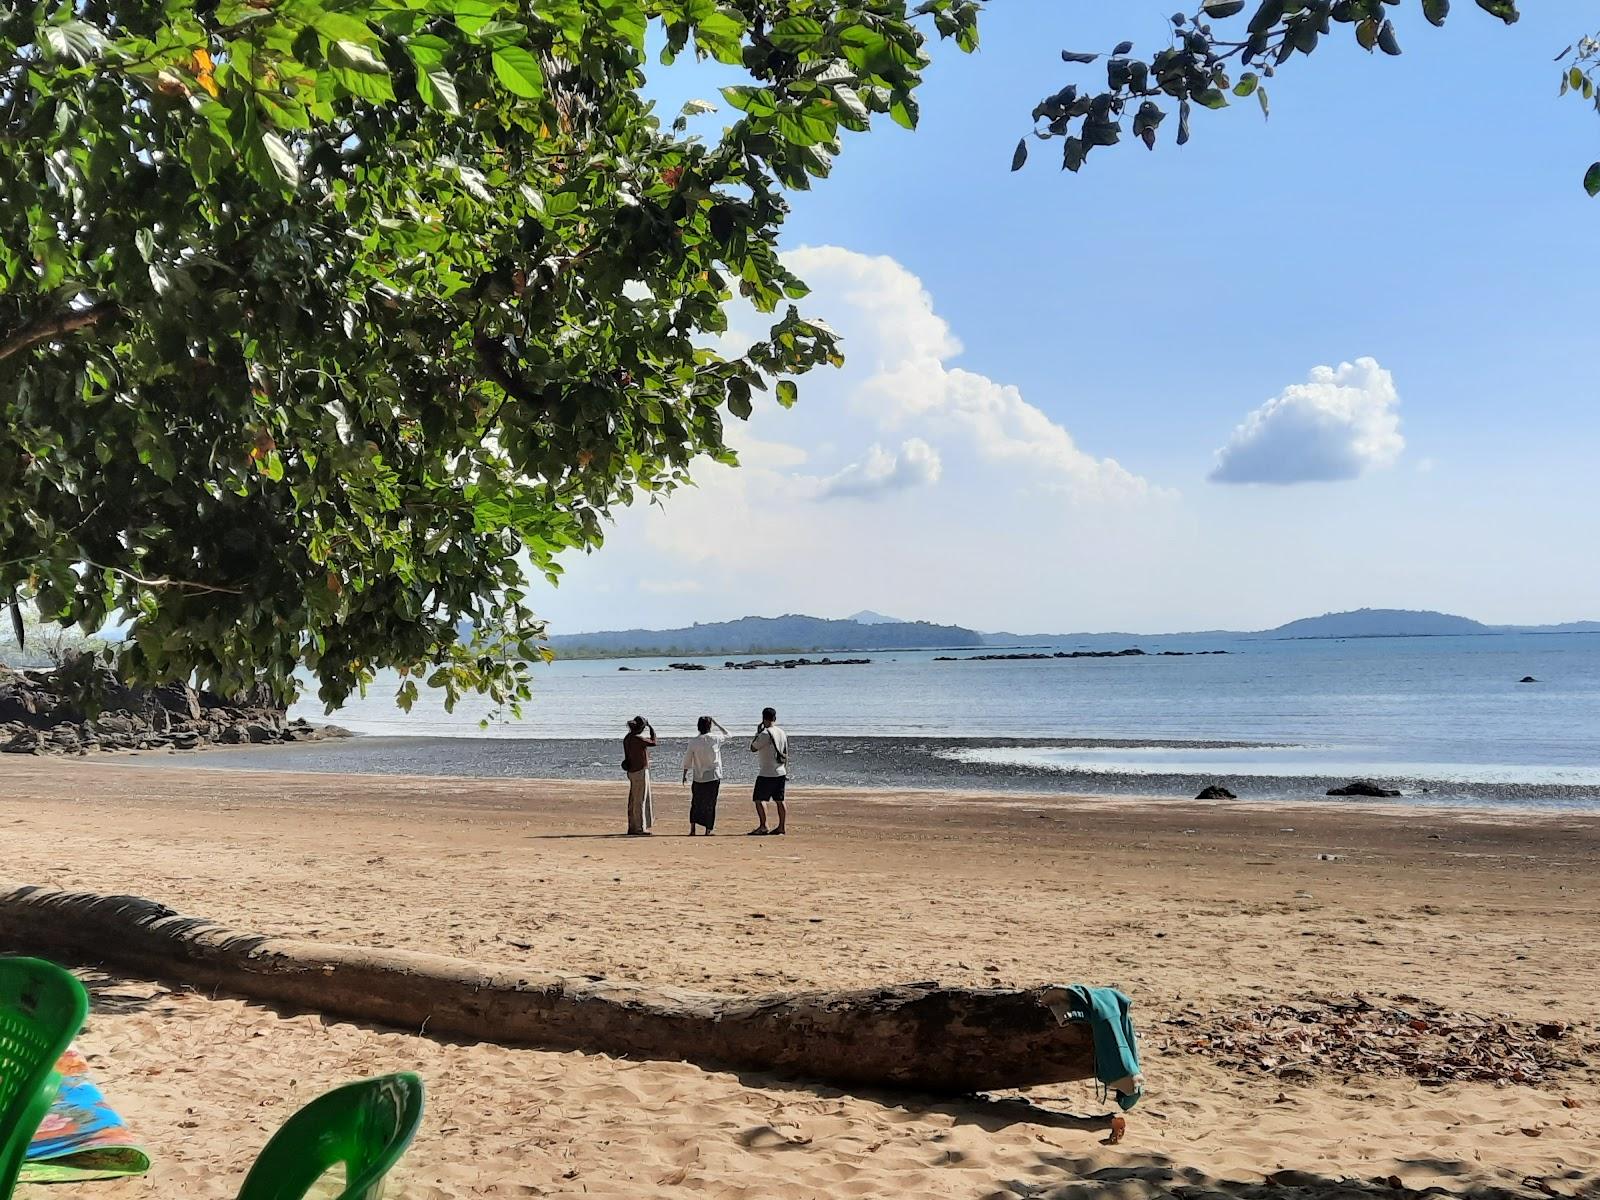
1407	622
798	634
867	617
792	633
1379	622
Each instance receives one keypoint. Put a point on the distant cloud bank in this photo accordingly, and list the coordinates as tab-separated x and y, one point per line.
1338	425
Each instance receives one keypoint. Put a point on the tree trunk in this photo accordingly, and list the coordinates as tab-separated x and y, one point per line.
918	1036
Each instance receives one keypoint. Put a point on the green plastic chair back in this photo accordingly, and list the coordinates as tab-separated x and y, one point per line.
42	1008
364	1126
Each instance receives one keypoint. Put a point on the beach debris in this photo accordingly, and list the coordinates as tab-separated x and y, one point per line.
1363	787
1356	1036
1527	679
1216	792
1332	857
920	1037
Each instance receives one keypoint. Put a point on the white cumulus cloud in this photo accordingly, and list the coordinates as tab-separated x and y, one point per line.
917	464
1341	423
897	351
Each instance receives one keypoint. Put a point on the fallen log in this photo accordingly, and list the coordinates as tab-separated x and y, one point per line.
917	1036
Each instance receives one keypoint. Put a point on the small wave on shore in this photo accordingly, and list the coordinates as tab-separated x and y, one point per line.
1277	762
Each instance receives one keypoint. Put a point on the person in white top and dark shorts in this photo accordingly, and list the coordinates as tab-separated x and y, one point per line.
702	771
772	772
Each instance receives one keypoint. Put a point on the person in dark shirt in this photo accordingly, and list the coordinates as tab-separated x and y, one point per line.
636	762
771	744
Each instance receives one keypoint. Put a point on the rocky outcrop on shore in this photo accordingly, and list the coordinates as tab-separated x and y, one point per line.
1363	787
39	715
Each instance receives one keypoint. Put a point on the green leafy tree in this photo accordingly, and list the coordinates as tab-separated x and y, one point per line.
1227	50
320	318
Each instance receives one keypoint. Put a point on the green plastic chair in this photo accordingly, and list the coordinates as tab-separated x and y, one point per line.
364	1126
42	1008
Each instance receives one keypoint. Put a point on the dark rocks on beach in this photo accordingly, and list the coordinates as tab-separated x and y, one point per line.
687	667
1527	679
1362	787
40	713
1214	792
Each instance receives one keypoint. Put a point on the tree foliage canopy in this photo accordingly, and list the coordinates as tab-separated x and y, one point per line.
319	318
1228	49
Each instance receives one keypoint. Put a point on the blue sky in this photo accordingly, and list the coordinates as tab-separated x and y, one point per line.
1422	212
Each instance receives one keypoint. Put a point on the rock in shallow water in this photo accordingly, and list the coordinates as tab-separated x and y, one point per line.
1216	792
1362	787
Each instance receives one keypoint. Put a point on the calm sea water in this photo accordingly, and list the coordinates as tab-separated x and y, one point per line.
1447	709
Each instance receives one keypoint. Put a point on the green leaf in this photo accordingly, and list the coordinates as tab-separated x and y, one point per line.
357	57
904	110
1020	155
75	40
1222	9
342	27
787	393
436	88
1436	10
1591	180
1248	82
500	33
281	158
519	71
720	34
360	72
796	34
758	102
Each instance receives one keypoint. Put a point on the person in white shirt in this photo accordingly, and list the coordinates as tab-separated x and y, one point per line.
702	771
771	744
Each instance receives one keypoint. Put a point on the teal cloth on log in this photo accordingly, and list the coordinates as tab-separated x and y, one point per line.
1116	1048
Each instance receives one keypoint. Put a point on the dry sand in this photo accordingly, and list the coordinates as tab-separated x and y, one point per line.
1187	907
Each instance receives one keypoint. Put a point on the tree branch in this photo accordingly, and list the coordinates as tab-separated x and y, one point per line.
492	356
182	585
45	330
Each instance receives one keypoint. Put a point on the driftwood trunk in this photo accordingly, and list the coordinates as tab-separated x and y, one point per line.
918	1036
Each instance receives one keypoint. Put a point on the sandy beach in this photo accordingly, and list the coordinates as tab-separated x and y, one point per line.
1202	913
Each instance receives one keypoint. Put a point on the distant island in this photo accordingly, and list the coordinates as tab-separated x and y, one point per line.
1404	622
867	630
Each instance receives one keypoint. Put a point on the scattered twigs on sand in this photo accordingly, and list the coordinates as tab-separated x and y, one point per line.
1397	1035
